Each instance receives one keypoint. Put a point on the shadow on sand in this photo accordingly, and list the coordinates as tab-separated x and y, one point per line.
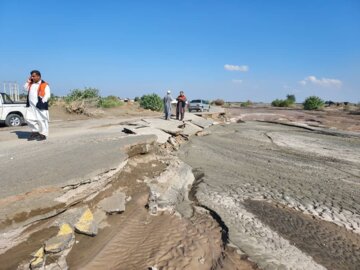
22	134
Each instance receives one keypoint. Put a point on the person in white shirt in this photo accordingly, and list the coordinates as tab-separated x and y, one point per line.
37	114
167	105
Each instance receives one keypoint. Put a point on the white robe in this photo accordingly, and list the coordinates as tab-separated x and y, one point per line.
38	120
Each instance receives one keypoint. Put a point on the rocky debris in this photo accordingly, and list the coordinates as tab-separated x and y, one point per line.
165	130
171	188
113	204
61	240
86	223
38	260
174	143
141	148
152	204
191	129
203	133
59	264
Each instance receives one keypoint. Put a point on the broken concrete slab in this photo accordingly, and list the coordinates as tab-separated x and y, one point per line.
152	204
168	126
86	223
162	136
114	203
38	260
199	121
174	143
190	129
136	124
171	188
61	240
71	159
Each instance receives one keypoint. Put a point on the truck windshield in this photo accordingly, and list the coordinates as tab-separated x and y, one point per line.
196	101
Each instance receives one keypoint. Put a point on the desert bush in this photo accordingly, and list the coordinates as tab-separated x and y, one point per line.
152	102
281	103
109	102
53	99
291	98
313	103
81	94
218	102
136	99
246	103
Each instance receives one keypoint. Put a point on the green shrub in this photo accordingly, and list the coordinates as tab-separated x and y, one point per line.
281	103
109	102
218	102
291	98
246	103
152	102
81	94
276	103
313	103
136	99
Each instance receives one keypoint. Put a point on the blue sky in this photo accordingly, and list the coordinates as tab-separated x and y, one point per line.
235	50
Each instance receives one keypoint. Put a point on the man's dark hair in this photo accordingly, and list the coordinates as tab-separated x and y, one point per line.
36	72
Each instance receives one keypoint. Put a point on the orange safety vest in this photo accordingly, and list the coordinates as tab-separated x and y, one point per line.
41	89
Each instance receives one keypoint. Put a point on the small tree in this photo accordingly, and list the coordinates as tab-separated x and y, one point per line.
109	102
152	102
291	98
281	103
313	103
81	94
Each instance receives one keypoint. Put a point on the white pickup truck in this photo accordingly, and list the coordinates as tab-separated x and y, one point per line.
12	113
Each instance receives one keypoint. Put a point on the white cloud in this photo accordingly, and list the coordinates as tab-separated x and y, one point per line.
237	81
321	82
236	68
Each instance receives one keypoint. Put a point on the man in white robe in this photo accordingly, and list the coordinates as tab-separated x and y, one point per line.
37	115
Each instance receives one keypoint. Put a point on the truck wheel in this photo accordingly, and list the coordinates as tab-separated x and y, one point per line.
13	120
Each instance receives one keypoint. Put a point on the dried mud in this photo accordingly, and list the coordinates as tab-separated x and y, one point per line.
315	174
330	245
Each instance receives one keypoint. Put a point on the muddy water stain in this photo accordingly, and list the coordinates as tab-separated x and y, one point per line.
22	252
330	245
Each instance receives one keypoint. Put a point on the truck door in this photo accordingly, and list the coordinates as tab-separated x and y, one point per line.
1	106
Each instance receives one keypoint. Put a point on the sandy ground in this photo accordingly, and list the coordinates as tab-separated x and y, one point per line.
330	117
249	167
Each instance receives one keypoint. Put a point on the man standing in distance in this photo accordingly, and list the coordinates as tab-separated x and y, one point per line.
37	115
167	105
180	107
